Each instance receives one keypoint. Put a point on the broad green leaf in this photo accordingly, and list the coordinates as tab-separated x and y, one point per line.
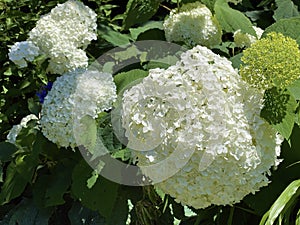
80	215
285	9
33	106
87	135
27	213
6	151
139	11
17	176
135	32
121	209
236	60
232	20
58	186
290	194
279	110
112	36
288	27
101	197
49	189
294	89
124	79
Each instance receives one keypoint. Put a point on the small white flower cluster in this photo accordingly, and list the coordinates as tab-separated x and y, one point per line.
23	51
74	95
196	131
245	40
63	33
194	24
16	129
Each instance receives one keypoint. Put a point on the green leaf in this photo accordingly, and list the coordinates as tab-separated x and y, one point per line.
112	36
101	197
288	27
6	151
285	9
120	209
135	32
139	11
80	215
236	60
18	174
28	213
290	194
294	89
33	106
122	80
279	110
231	19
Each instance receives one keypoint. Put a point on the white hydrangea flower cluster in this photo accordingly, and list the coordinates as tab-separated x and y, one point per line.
23	51
245	40
74	95
196	131
16	129
63	34
194	24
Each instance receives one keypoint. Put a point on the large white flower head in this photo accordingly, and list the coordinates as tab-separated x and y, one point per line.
196	131
63	33
74	95
22	52
245	40
194	24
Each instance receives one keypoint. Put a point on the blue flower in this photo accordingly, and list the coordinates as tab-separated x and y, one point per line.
42	93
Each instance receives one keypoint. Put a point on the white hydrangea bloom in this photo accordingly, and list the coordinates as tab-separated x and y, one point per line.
194	24
74	95
23	51
15	130
63	33
245	40
196	130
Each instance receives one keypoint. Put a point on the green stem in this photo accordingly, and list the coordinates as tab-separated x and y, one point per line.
230	219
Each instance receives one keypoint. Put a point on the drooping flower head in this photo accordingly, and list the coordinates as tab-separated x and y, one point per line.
194	24
22	52
74	95
245	40
196	131
271	61
63	34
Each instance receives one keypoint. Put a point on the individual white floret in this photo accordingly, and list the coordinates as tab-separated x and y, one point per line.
73	96
194	24
196	131
22	52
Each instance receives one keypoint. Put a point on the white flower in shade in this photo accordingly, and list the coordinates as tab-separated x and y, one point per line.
194	24
73	96
22	52
63	33
235	1
196	131
245	40
16	129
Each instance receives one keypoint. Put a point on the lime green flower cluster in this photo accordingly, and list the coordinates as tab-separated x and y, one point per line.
271	61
